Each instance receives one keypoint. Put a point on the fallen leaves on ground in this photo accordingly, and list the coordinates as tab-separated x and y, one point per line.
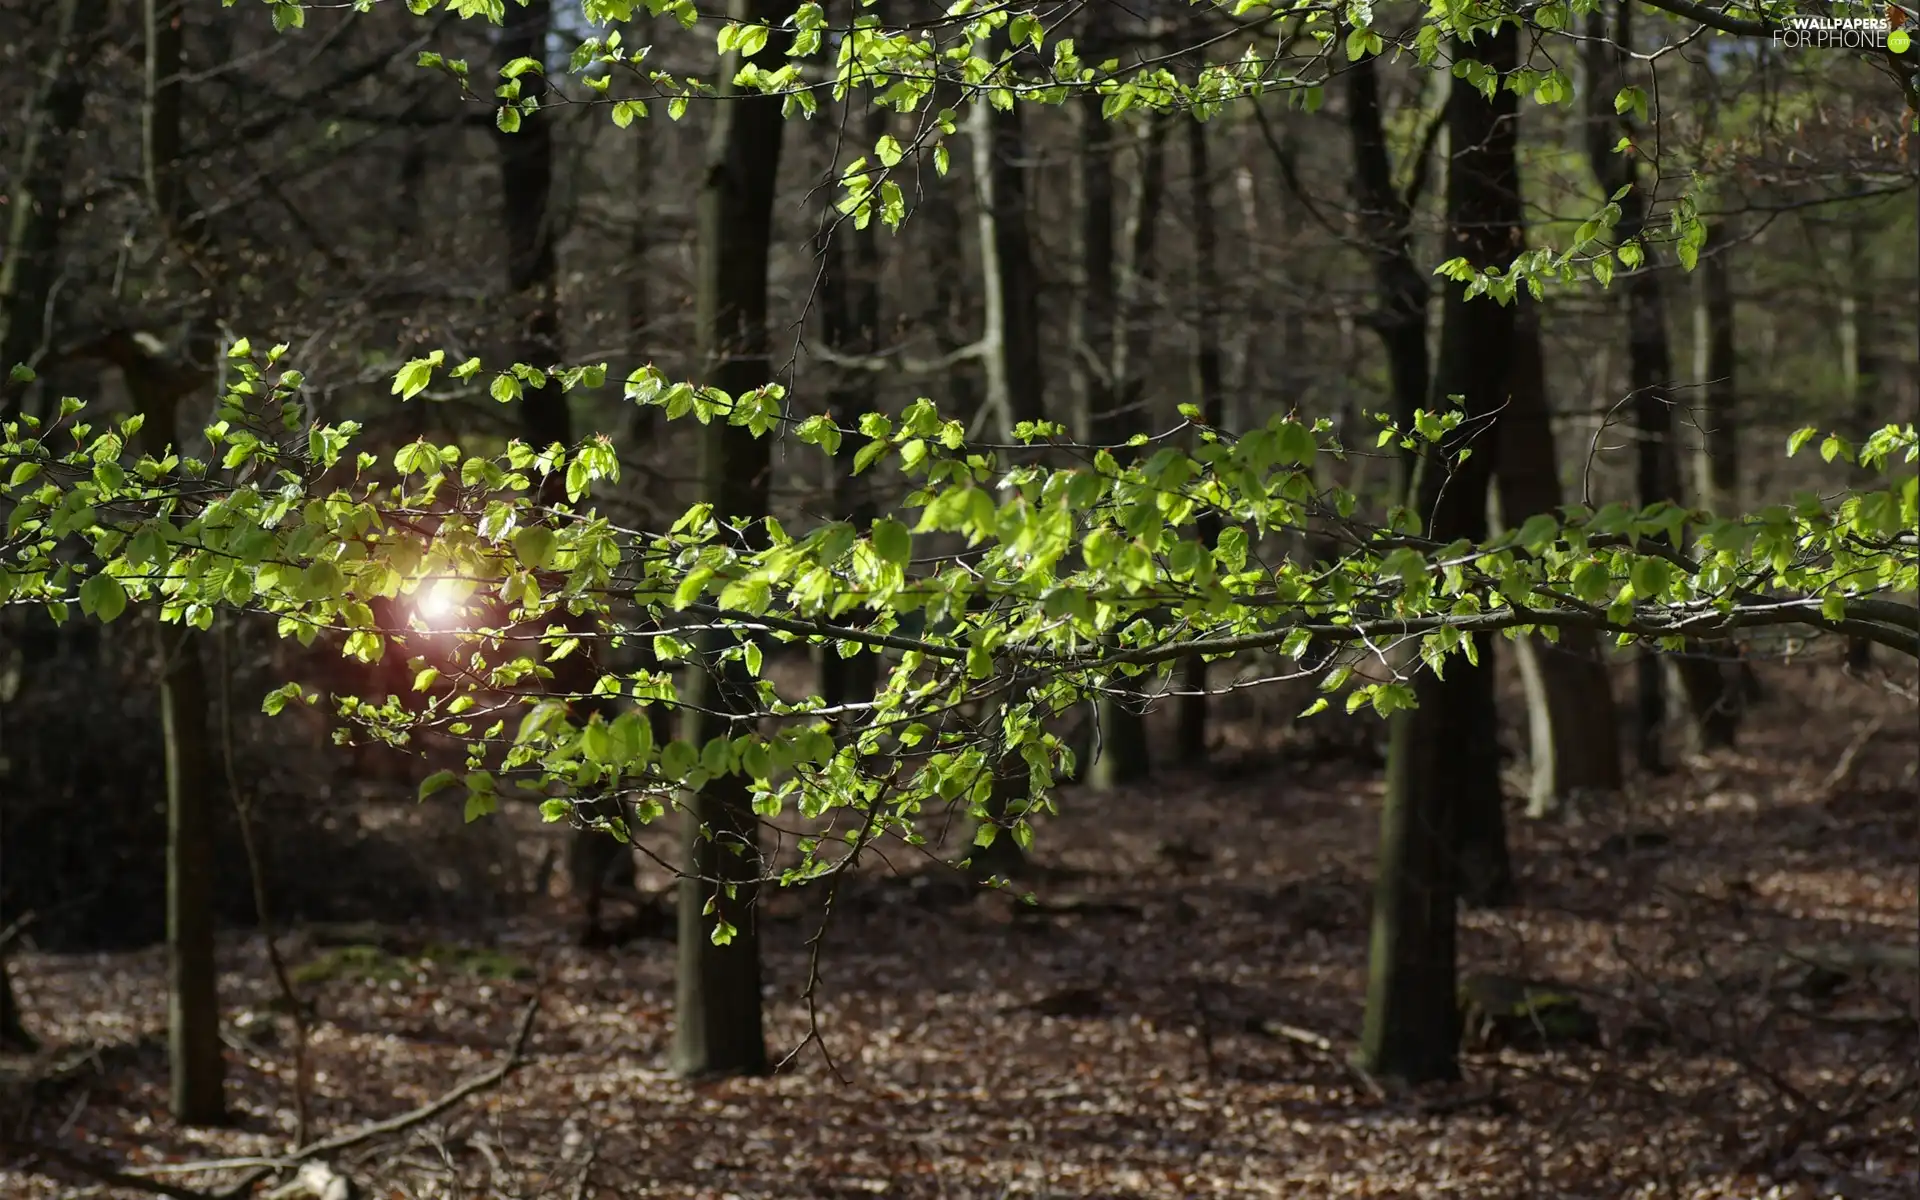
1175	1021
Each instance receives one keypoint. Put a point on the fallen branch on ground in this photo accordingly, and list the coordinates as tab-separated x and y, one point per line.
142	1179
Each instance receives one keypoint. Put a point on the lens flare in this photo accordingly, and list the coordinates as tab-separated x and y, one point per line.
435	606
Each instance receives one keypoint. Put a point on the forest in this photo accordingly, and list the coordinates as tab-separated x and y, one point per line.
959	598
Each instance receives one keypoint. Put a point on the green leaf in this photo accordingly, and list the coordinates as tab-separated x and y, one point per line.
103	597
439	781
533	546
892	542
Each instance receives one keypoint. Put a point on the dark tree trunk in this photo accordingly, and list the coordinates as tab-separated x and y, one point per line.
597	862
1717	459
1717	466
1573	728
1650	372
1387	221
1442	832
850	325
1106	363
193	1006
719	1029
1190	738
1858	375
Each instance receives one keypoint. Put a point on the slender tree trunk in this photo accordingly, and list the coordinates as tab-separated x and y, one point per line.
1108	358
34	205
1015	388
1650	370
1572	725
596	861
193	1006
1209	392
1856	387
1717	457
850	325
643	423
949	305
719	1029
1441	833
1717	465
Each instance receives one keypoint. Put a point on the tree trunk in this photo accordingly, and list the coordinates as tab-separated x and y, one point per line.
1108	353
719	1029
1717	462
1441	828
193	1003
1717	457
1650	368
850	325
1190	739
596	861
1856	388
34	205
949	307
1385	215
193	1006
1573	729
1015	389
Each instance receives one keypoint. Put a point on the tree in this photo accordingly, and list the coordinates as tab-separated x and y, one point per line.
718	1029
1650	368
1109	354
193	1005
1015	393
1574	736
1209	395
850	326
1441	834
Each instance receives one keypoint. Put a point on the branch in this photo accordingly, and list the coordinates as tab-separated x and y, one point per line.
515	1058
432	1108
1713	18
1885	622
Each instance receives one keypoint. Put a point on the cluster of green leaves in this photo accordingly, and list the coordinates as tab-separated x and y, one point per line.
1006	590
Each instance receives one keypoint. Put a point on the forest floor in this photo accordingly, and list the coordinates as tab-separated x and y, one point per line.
1175	1021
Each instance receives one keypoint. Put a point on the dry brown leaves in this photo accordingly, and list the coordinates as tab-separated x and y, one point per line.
1114	1048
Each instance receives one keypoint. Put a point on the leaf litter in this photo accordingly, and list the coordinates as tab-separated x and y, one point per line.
1177	1018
